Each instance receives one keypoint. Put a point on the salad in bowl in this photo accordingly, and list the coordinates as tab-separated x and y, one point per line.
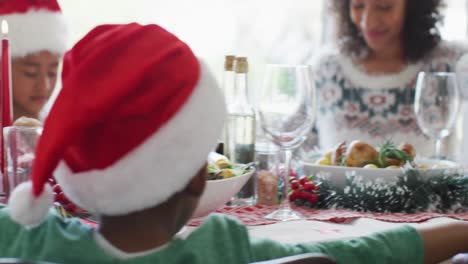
224	180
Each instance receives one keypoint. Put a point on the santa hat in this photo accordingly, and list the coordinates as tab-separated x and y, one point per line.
135	120
34	26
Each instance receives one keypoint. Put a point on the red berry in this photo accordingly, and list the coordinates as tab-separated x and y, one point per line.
293	197
294	185
297	194
292	173
308	186
303	180
57	188
312	198
304	195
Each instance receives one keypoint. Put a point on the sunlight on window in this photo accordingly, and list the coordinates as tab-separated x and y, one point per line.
455	24
266	31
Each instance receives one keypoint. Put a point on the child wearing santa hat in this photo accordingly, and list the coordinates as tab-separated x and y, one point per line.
38	36
127	139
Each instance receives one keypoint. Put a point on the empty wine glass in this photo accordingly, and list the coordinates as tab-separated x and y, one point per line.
286	112
437	103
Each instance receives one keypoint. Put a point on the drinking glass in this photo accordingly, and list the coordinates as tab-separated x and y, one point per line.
436	105
286	112
20	148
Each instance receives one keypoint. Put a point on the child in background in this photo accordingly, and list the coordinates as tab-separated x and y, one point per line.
38	36
127	139
366	89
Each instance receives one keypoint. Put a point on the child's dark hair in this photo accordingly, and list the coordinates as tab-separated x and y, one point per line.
420	33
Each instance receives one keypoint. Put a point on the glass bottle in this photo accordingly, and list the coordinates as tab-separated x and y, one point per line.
241	129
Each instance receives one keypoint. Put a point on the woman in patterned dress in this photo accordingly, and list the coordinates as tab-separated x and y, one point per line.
366	88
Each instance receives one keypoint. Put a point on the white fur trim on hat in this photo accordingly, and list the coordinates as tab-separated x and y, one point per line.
158	168
26	209
37	30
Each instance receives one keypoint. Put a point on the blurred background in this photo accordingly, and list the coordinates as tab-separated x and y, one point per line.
266	31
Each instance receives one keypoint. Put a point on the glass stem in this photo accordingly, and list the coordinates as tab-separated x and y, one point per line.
438	143
287	167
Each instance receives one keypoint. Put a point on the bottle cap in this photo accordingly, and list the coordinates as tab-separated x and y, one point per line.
229	62
241	65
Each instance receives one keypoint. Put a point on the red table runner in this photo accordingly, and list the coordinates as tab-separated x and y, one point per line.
253	215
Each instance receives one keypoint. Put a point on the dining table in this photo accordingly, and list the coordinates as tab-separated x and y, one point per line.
322	225
317	224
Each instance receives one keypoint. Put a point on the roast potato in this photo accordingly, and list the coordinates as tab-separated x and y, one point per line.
408	148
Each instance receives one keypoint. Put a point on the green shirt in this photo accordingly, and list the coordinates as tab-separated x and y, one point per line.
218	240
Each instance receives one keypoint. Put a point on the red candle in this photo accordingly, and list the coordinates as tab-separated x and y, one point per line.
7	117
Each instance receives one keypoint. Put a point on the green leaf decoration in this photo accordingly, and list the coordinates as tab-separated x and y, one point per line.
410	193
389	150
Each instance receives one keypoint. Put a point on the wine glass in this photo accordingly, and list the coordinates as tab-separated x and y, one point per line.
437	103
286	113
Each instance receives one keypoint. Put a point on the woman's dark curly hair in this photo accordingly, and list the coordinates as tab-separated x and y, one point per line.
420	33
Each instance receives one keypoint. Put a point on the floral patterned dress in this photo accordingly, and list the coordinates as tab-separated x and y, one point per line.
355	105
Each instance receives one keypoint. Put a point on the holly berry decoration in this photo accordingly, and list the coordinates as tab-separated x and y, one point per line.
292	172
61	198
304	191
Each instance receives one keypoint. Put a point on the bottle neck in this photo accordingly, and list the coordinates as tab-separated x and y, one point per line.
241	94
229	85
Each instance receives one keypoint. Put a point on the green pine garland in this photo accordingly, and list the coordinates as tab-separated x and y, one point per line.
410	193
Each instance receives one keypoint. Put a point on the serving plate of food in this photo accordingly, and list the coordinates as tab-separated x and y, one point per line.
385	162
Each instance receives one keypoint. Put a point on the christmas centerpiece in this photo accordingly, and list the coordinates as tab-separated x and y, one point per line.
414	187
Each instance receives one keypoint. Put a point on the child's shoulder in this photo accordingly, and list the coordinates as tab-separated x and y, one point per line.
5	218
53	222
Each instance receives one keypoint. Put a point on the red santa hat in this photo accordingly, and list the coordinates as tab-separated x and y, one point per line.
135	120
34	25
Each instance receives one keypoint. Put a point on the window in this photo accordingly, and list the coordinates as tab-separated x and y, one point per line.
455	22
267	31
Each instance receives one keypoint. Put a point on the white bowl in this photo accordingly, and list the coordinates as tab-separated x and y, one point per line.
337	174
218	192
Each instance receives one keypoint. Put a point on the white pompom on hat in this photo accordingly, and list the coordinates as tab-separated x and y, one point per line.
34	26
135	120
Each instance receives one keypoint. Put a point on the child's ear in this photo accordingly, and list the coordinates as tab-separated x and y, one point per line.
197	184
